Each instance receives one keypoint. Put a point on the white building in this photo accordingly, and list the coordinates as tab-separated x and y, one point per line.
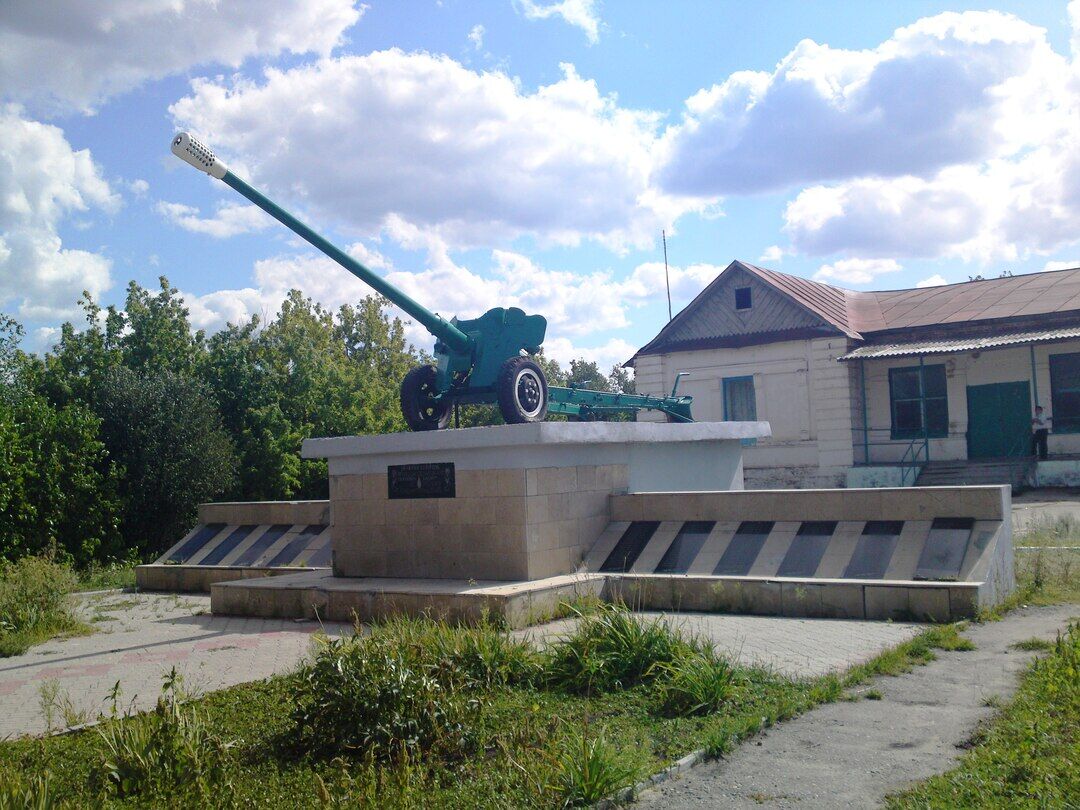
863	388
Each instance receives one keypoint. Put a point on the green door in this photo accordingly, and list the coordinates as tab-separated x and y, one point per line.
999	420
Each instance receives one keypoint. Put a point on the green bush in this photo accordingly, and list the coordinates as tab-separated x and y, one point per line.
171	748
34	597
611	649
371	697
700	683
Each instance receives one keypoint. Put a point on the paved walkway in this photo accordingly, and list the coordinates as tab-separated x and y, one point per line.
800	648
853	754
139	638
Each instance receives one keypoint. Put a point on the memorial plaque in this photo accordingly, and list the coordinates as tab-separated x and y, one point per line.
420	480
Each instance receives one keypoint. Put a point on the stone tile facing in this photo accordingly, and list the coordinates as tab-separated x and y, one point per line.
503	524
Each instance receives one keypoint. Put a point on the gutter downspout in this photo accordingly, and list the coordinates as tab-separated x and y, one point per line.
865	418
1035	393
922	406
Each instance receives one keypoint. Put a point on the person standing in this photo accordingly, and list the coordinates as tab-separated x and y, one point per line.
1040	427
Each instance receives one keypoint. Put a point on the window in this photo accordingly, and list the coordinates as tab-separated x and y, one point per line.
907	404
740	404
1065	392
742	298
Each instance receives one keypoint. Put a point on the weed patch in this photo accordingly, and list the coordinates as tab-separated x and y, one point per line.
613	649
1033	645
169	749
589	770
35	604
367	696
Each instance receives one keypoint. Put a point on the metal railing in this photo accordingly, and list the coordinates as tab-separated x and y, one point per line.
915	455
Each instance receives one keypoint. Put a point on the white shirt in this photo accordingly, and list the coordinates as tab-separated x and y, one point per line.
1040	421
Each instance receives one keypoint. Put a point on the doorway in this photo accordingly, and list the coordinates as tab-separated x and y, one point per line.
999	420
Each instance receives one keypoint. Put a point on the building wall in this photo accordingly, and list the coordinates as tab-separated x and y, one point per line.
799	388
961	370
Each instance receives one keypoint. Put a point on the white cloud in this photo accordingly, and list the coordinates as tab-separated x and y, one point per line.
773	254
476	36
856	271
582	14
230	219
71	53
43	180
139	187
468	155
946	90
935	280
1068	264
1001	209
606	355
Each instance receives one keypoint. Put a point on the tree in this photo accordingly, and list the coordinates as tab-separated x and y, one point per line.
159	336
621	380
57	487
587	374
307	373
165	432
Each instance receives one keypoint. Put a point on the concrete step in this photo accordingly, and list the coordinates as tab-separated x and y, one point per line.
966	473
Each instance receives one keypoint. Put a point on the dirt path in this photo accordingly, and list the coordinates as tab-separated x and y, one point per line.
853	754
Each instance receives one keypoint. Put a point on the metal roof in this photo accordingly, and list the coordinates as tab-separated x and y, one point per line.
1048	299
960	345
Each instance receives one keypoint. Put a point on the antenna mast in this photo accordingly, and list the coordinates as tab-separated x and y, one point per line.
667	278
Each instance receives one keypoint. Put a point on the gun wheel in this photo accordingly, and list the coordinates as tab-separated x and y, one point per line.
523	392
421	409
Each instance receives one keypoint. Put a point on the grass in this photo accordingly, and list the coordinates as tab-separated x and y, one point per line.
1033	645
1027	757
35	604
107	576
1048	576
520	732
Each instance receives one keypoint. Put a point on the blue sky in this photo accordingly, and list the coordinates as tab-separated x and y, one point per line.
529	153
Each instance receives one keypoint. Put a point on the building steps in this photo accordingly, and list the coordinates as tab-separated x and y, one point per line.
1014	471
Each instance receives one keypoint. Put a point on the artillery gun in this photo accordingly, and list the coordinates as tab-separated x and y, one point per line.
480	360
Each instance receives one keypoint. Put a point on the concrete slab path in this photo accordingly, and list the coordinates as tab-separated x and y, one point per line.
140	637
854	754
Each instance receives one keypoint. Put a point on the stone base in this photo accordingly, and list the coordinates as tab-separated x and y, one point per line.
322	595
526	502
520	604
199	578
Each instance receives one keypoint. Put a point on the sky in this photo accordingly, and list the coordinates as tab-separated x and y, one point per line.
530	153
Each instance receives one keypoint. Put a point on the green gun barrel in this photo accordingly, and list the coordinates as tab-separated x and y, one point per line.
201	157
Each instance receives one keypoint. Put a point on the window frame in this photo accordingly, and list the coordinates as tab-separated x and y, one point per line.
1072	423
897	434
749	298
725	384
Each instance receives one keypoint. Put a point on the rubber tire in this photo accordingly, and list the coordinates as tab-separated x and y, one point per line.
421	414
506	387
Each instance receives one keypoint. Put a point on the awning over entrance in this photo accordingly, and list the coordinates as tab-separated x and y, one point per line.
960	344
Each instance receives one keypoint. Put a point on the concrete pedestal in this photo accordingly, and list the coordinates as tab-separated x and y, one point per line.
526	502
